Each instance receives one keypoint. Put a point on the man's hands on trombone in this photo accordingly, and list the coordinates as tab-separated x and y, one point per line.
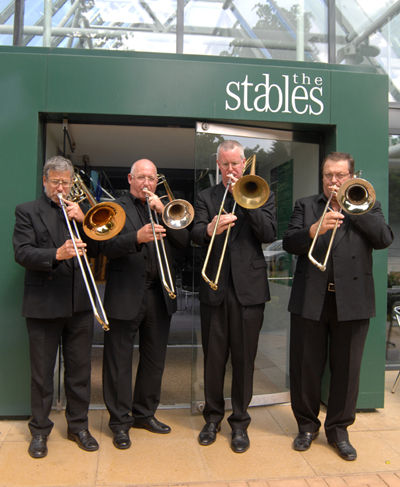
329	222
67	251
145	234
74	211
331	217
154	201
224	222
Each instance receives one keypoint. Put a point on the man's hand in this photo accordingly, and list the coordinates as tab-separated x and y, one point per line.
74	211
233	181
223	224
67	251
154	202
145	234
329	222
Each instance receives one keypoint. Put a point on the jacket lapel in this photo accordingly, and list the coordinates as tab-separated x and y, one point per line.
131	212
50	221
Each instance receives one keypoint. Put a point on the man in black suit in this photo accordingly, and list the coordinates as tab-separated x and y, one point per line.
332	307
136	301
56	305
232	315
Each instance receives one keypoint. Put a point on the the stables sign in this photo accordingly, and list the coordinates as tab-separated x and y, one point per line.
283	95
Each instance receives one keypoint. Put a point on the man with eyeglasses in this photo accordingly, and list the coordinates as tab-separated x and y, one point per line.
232	315
56	305
330	311
137	302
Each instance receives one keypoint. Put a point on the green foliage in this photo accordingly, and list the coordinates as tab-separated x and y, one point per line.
393	279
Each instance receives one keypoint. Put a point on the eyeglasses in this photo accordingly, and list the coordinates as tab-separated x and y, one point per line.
56	182
233	165
339	177
141	179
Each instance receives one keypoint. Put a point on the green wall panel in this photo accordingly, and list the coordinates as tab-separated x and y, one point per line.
361	119
188	88
348	106
22	90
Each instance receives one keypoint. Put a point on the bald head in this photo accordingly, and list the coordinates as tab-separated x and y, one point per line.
143	175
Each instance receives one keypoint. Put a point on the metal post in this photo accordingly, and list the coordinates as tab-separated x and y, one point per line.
48	13
331	31
300	33
180	7
19	10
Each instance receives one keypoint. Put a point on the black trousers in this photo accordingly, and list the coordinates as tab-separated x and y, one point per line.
44	336
152	323
310	342
229	327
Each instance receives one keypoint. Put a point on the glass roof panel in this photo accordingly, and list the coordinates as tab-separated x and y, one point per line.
264	29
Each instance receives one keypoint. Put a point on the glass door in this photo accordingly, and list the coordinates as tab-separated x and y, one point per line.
289	163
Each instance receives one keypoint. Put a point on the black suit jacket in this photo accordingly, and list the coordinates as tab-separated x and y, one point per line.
244	254
127	265
351	256
51	289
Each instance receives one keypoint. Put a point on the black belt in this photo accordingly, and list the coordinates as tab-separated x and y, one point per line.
331	287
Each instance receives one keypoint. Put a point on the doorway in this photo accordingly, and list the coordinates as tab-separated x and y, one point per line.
186	155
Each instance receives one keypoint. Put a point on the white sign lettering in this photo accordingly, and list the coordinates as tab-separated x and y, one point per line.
291	94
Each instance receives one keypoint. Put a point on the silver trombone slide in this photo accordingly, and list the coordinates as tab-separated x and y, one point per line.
169	287
103	321
322	267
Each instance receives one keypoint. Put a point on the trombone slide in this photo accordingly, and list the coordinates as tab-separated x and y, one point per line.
169	287
103	321
355	196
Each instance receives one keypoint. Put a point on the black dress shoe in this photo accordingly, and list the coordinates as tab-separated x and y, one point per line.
38	446
121	439
345	450
84	439
208	434
153	425
240	441
303	440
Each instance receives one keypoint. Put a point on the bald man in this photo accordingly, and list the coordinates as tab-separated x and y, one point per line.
136	301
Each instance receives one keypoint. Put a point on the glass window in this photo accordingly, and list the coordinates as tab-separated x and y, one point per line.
393	332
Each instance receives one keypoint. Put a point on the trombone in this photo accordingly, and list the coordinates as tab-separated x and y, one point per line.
355	196
102	320
177	214
249	192
102	222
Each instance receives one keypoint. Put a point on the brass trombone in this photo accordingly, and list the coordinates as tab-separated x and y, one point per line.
249	192
102	320
355	196
177	214
104	220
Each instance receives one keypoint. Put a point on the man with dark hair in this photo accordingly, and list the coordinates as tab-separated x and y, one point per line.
330	311
232	315
56	305
136	301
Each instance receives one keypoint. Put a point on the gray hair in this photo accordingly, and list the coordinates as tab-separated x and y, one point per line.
59	164
230	145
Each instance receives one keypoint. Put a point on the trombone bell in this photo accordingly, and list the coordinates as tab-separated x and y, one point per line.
104	220
356	196
250	191
178	214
